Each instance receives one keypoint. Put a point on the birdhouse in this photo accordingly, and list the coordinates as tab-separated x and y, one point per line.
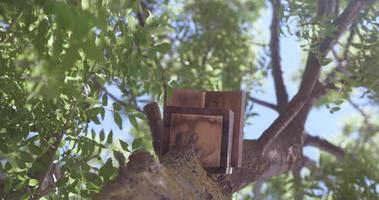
216	118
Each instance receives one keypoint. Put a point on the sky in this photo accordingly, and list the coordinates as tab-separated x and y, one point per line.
320	122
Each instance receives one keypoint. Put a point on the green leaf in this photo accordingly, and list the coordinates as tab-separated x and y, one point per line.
92	51
133	121
8	182
94	178
136	143
139	115
71	56
110	137
26	157
334	109
107	170
117	119
116	106
20	163
102	135
124	145
33	182
163	47
34	149
104	100
93	134
151	20
8	166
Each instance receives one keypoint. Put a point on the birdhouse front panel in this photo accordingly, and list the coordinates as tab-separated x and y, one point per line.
214	131
208	130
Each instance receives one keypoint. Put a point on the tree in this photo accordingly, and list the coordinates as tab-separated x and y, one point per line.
63	61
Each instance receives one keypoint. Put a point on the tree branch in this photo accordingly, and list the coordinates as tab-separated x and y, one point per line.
311	74
141	14
154	120
257	190
49	156
113	97
324	145
263	103
309	163
280	89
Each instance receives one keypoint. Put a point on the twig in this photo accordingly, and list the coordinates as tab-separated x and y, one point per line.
113	97
263	103
51	152
141	14
257	190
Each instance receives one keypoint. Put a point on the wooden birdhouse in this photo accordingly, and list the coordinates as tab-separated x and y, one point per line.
217	120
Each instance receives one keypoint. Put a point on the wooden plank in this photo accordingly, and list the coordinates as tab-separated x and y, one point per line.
187	98
208	130
209	124
236	101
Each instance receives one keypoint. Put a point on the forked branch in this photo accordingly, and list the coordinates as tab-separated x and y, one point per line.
311	74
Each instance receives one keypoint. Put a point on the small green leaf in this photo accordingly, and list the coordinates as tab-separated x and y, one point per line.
33	182
26	157
8	166
8	182
139	115
107	170
21	163
110	137
133	121
94	178
124	145
34	149
150	20
334	109
163	47
117	119
102	135
93	134
136	143
104	100
116	106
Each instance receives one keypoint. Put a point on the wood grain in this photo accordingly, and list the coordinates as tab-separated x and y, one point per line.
201	121
187	98
208	130
236	101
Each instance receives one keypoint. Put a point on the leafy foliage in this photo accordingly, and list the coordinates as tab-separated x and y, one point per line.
61	63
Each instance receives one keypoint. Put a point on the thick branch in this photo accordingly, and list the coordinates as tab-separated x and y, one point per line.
280	89
311	74
154	120
324	145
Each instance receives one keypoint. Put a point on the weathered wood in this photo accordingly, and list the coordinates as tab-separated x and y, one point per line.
208	130
213	128
187	98
236	101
